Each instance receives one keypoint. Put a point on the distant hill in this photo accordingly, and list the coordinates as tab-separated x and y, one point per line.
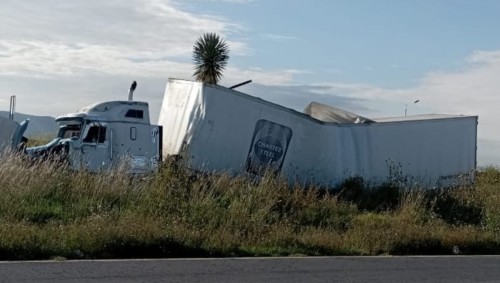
39	125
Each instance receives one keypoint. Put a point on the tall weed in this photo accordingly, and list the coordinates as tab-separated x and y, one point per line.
47	210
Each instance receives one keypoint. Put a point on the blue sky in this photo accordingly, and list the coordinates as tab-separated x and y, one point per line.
387	43
369	57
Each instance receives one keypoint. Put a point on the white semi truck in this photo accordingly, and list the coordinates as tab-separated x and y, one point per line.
216	129
102	136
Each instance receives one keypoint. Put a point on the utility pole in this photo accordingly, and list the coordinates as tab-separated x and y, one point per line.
406	106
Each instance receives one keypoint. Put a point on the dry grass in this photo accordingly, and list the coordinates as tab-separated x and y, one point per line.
48	211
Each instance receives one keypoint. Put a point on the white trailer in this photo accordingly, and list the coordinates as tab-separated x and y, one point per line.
214	128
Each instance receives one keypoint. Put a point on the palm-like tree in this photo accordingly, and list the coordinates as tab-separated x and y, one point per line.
210	56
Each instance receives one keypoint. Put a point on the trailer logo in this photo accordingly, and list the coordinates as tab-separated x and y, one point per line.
268	148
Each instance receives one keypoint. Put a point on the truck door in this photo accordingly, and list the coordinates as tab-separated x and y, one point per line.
95	147
156	146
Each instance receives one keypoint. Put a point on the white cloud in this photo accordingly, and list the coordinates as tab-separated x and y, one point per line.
146	38
485	57
156	26
280	37
137	28
36	58
226	1
260	76
75	53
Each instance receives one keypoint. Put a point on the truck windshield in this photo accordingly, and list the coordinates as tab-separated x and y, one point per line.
69	131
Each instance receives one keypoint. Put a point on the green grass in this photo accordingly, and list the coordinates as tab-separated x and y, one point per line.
38	140
48	211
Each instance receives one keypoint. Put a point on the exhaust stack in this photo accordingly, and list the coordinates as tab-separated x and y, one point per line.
12	108
131	91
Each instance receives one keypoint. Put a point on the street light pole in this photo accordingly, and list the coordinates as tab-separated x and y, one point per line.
406	106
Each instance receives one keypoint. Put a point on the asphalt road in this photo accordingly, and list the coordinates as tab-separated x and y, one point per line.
307	269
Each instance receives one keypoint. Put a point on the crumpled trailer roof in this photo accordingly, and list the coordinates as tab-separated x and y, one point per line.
218	129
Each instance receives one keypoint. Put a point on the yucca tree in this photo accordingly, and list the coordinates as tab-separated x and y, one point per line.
210	56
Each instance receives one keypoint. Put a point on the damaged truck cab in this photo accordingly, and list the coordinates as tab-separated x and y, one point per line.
106	135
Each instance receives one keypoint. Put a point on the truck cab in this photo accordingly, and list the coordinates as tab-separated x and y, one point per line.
106	135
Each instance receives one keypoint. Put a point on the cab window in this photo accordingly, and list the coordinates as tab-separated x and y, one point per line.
69	131
96	134
134	113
